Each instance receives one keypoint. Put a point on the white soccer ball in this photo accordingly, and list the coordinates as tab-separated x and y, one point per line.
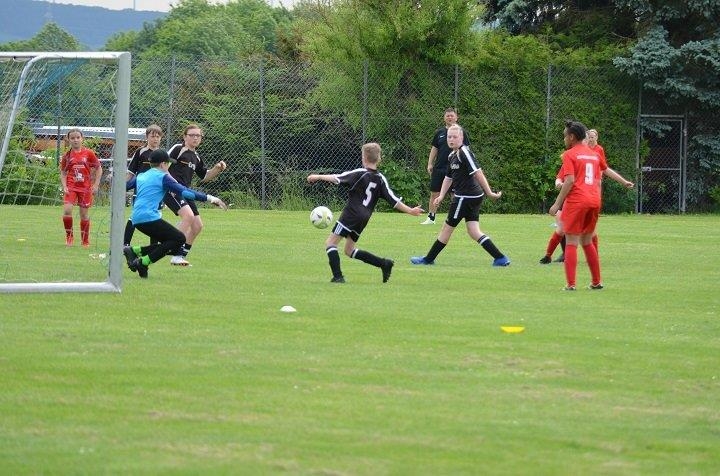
321	217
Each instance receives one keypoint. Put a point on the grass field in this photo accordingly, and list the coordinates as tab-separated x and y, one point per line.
196	370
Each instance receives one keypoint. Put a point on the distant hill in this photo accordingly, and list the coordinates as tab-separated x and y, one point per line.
91	26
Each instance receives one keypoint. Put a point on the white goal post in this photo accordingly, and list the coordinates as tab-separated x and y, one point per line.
12	104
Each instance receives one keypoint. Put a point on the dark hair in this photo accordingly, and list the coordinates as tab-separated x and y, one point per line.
576	128
450	109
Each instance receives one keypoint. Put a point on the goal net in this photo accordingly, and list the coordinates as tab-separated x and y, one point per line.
42	97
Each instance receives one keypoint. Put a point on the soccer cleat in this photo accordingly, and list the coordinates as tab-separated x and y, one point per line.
339	279
69	240
561	258
545	260
501	261
387	269
428	221
420	260
142	270
595	286
179	261
569	288
130	258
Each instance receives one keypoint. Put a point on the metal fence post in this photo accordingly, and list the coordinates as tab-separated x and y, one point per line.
365	101
263	185
168	125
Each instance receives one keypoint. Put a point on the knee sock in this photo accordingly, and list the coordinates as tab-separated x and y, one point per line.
490	247
334	260
570	264
185	249
68	223
431	216
129	230
367	257
595	242
555	240
562	243
593	261
85	231
435	250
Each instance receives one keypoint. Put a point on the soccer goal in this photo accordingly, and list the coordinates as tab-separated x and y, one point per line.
43	95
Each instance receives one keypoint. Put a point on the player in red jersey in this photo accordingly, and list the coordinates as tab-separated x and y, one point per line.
80	174
580	201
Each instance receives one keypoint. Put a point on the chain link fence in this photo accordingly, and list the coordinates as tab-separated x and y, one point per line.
274	122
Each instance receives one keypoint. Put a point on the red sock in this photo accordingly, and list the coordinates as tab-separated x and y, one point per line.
595	243
68	222
85	231
593	261
555	240
570	264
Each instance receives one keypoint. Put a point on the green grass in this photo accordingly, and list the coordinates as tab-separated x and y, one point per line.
196	370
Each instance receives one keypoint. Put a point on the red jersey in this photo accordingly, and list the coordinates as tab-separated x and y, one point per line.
587	166
77	164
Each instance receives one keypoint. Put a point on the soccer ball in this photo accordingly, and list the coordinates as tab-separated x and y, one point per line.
321	217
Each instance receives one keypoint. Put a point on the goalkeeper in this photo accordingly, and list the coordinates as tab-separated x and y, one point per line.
151	187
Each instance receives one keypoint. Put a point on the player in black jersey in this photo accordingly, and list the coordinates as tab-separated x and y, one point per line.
469	188
367	185
188	164
438	161
140	163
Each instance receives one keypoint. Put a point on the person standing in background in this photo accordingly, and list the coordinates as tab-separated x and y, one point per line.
438	161
80	175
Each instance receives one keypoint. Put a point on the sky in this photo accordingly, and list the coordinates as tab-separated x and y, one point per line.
151	5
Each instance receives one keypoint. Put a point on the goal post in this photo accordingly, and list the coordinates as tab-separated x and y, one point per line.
34	78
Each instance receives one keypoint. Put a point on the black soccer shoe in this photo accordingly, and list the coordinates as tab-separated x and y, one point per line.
387	269
130	257
339	279
142	270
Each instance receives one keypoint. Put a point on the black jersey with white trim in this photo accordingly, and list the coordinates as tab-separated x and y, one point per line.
366	187
140	161
188	162
462	172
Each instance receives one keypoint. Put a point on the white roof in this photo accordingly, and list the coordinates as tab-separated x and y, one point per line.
103	132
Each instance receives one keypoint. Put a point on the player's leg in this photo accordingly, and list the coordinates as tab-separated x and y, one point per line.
590	249
67	217
573	222
354	252
331	250
189	228
85	223
453	219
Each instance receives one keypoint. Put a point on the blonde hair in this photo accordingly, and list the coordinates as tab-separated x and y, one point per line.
371	152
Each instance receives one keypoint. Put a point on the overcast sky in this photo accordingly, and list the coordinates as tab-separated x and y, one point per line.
153	5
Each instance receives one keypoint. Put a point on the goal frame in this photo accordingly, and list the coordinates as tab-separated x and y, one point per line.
113	283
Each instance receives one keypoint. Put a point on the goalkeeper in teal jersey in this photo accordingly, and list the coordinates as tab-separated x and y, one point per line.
151	186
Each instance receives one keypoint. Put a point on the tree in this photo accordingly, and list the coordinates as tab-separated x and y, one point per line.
50	38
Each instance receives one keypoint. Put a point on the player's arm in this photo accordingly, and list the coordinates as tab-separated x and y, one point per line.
447	182
564	190
171	184
97	177
608	172
63	177
415	211
482	181
214	171
332	178
431	159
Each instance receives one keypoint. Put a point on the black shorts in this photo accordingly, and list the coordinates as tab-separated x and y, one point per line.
436	179
464	208
175	202
350	227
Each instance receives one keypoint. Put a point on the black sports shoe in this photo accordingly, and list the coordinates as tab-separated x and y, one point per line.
595	286
545	260
569	288
339	279
130	257
561	258
142	270
387	269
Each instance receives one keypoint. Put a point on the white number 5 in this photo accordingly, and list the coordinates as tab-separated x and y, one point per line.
368	193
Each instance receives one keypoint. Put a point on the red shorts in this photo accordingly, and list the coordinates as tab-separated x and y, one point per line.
579	219
81	198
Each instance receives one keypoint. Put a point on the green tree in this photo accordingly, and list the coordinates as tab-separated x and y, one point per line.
50	38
